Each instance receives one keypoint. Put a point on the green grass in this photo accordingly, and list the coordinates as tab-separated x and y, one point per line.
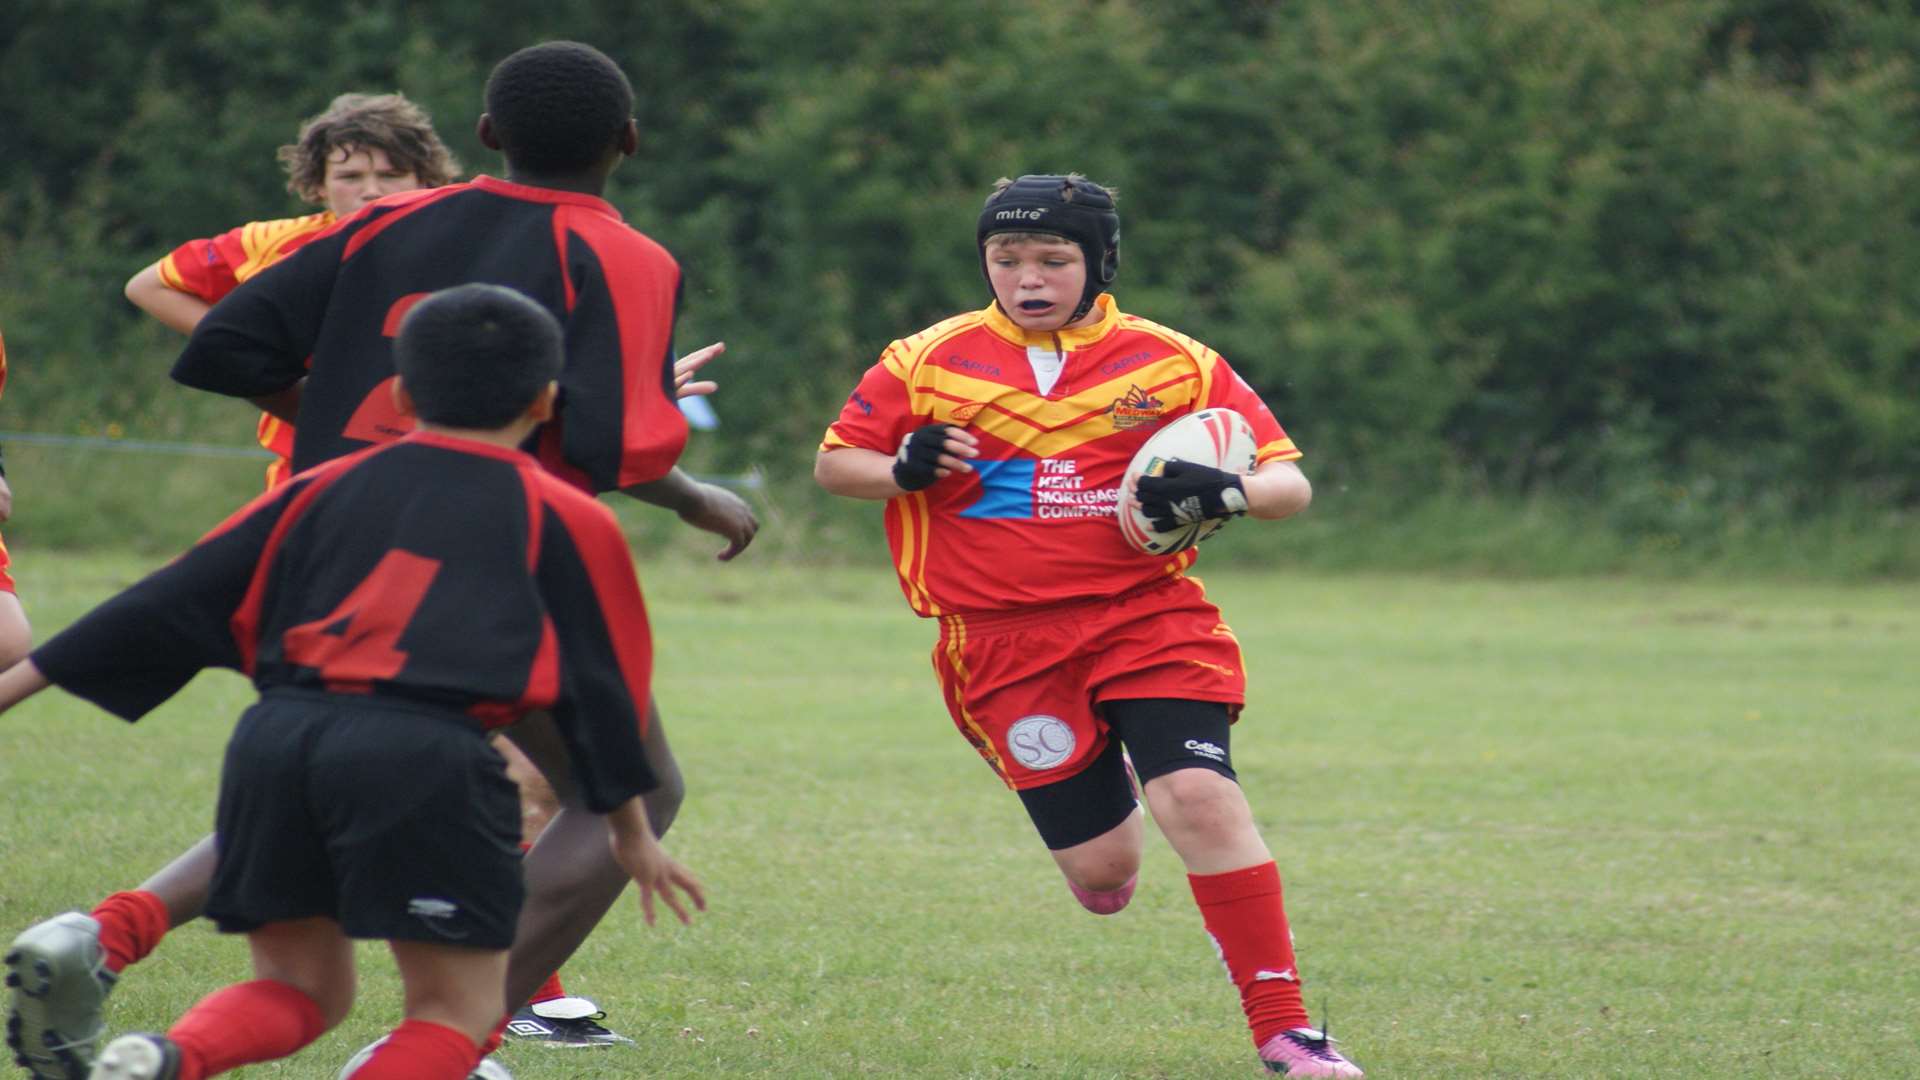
1597	828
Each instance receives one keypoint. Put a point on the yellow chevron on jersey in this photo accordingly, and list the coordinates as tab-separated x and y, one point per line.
262	242
1175	376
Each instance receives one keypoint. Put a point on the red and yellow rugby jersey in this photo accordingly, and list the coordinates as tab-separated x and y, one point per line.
329	313
212	266
1034	523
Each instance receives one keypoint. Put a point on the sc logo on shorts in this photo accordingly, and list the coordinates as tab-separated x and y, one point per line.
1040	742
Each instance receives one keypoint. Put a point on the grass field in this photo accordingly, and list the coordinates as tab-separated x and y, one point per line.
1562	829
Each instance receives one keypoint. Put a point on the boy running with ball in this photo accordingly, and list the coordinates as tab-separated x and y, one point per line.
997	439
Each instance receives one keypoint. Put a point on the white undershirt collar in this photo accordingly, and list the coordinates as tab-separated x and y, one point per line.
1047	365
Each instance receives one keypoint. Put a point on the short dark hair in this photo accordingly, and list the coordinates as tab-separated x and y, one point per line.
475	356
558	107
385	122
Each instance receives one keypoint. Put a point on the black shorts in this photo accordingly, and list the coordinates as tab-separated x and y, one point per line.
395	820
1161	735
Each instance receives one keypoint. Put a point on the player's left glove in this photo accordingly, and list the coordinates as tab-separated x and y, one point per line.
917	464
1186	492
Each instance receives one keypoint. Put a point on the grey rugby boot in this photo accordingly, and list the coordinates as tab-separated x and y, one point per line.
57	985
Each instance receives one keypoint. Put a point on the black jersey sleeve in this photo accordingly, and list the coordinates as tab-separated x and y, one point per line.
256	340
138	649
605	655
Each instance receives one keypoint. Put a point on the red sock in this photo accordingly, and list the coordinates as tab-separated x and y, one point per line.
1248	923
549	990
418	1050
247	1022
131	924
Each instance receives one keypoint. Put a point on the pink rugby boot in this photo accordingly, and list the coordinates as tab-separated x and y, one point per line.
1306	1052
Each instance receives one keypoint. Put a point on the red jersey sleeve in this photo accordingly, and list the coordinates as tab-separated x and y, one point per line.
201	268
877	414
617	423
1227	389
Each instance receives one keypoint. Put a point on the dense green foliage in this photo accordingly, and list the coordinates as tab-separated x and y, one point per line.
1654	260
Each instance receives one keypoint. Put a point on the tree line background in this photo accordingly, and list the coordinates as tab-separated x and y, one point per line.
1577	285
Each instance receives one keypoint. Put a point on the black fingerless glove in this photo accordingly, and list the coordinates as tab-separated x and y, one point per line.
919	456
1185	493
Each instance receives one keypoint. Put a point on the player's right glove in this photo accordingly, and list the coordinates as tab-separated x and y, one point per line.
1186	492
914	466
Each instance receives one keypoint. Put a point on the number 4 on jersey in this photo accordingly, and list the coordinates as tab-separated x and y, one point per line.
359	641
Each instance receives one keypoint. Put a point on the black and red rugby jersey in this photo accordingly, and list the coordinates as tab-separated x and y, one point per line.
432	569
335	306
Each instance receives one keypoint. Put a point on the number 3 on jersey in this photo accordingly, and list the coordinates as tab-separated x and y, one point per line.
359	641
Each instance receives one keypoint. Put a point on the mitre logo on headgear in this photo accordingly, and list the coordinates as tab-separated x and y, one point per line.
1136	408
1019	215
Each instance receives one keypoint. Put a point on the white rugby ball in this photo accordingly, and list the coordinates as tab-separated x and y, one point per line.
1219	438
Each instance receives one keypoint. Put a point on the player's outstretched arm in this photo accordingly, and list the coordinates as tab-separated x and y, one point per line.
639	853
703	506
20	682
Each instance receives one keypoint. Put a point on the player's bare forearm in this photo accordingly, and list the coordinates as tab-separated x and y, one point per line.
675	491
20	682
628	824
703	506
284	404
856	473
1277	489
174	309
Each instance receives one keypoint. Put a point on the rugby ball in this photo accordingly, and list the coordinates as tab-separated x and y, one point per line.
1219	438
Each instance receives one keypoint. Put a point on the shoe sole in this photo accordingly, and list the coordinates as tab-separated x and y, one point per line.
34	965
138	1057
569	1042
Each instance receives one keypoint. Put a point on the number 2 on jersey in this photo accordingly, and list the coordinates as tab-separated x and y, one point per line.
359	640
